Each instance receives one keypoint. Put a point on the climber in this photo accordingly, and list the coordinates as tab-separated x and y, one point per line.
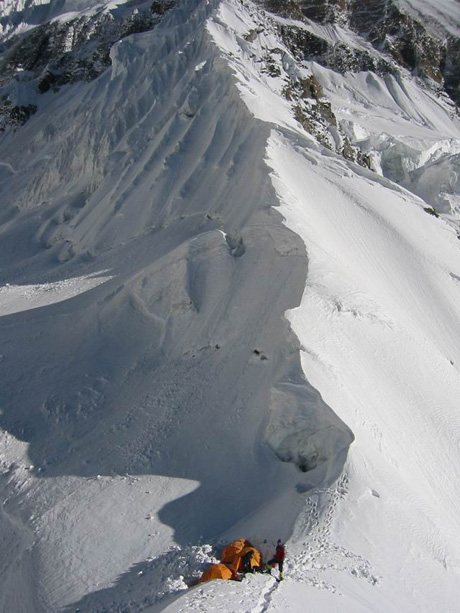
246	562
280	554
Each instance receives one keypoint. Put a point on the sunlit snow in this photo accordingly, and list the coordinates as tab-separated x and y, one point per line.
212	326
16	298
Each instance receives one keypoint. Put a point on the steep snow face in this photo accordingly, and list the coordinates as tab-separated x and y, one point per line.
444	14
383	294
153	397
406	131
20	15
143	203
379	326
72	48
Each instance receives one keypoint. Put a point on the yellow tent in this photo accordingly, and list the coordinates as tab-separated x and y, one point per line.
234	553
232	561
255	560
231	551
216	571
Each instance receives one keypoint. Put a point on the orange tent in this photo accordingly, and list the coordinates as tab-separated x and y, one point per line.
216	571
256	558
234	553
231	551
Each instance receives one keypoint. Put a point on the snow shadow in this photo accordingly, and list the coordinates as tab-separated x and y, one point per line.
154	583
183	368
170	367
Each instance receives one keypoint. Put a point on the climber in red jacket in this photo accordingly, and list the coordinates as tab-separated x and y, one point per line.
280	554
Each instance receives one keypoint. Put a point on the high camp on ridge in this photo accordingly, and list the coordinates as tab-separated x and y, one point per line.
229	304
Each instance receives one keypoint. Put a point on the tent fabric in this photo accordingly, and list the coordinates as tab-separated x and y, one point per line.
232	550
256	559
231	561
235	552
216	571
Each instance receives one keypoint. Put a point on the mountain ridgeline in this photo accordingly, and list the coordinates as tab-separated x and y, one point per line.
400	39
379	38
57	53
229	302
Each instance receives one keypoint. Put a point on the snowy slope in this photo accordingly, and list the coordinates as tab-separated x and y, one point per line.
379	327
385	347
158	225
20	15
151	183
442	13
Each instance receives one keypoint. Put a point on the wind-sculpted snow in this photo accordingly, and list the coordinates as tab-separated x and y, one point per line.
151	182
385	346
438	183
155	401
53	52
23	14
442	15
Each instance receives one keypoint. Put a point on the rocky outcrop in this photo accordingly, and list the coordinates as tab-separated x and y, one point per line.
399	35
61	52
450	67
305	45
401	40
326	11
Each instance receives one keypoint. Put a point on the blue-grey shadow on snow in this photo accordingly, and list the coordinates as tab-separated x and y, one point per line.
168	368
145	584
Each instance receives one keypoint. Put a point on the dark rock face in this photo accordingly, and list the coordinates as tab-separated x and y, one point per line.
16	115
58	53
390	30
325	11
400	40
305	46
328	11
450	67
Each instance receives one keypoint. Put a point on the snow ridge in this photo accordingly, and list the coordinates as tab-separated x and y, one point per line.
151	180
147	403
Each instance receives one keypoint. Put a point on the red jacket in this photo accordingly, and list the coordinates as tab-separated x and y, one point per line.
280	553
